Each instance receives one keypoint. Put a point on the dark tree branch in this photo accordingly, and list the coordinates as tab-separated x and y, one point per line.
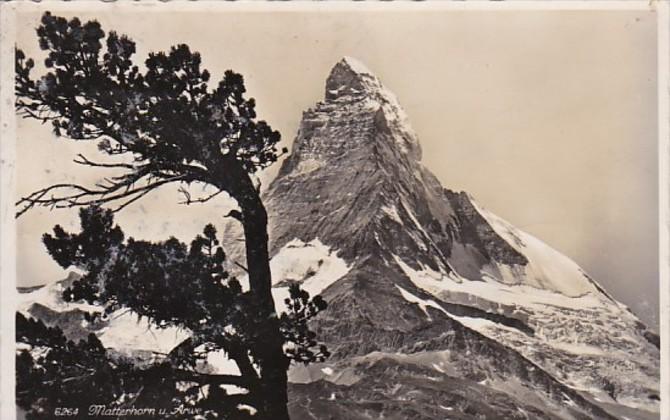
241	266
85	196
235	214
189	200
132	200
82	160
243	363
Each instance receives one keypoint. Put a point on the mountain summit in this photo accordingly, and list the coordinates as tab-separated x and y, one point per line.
350	77
359	143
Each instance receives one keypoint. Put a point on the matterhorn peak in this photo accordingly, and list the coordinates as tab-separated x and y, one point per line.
350	77
353	89
356	65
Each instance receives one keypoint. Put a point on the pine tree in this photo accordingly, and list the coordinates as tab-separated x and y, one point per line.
168	126
172	285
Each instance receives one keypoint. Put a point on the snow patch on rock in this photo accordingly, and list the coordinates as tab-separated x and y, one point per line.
246	407
357	66
306	166
392	212
423	303
51	296
314	265
440	285
128	331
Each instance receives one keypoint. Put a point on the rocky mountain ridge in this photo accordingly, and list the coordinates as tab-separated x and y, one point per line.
429	270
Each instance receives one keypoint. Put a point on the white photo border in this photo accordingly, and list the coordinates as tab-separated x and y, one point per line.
8	13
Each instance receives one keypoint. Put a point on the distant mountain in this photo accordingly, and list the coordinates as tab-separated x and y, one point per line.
437	307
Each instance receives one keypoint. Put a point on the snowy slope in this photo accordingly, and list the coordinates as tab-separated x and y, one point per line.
547	268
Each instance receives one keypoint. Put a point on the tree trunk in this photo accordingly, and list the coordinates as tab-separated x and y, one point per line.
268	352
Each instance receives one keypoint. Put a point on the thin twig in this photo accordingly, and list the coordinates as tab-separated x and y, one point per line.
241	266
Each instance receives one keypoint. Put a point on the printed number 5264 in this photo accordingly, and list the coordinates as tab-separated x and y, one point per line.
66	411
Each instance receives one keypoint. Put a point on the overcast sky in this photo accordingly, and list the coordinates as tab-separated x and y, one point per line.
547	118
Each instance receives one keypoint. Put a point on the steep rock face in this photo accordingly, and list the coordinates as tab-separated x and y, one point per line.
473	230
423	261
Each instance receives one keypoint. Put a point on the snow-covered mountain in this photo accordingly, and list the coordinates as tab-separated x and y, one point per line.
437	307
432	293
